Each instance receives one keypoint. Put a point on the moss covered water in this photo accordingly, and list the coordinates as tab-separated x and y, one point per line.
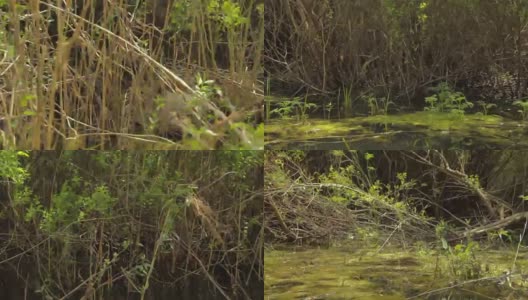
393	132
391	274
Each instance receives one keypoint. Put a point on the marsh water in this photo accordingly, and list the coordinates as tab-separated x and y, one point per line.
421	130
390	274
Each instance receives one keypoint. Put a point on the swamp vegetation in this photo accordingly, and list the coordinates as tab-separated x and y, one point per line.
131	225
355	74
108	74
396	224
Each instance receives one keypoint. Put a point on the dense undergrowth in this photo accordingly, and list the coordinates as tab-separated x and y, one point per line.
450	204
371	57
98	74
150	225
302	206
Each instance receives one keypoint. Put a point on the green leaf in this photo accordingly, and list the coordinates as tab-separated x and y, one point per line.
444	244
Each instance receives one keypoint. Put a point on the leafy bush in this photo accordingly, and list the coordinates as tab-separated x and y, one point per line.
446	100
463	263
10	167
133	207
294	107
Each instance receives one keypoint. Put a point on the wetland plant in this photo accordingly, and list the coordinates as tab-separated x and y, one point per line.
523	104
462	263
328	108
294	107
486	106
447	100
347	99
377	106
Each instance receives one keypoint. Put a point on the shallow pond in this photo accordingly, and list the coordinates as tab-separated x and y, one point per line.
392	274
421	130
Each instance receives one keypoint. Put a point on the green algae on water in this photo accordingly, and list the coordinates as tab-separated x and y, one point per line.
394	132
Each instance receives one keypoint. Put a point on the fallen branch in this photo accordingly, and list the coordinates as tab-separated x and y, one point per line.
498	224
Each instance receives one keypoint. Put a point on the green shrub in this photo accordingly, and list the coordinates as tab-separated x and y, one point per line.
448	101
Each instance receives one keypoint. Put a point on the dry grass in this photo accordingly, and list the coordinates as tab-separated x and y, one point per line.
91	79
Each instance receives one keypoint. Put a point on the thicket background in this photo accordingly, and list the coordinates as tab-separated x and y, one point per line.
398	48
149	225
